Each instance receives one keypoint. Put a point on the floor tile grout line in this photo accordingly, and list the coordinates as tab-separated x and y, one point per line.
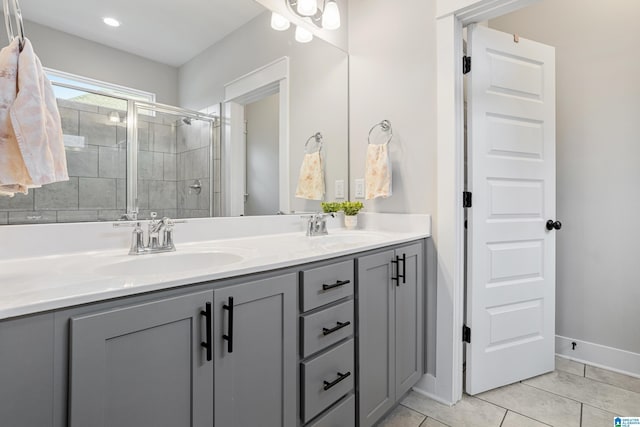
504	417
551	392
612	385
515	412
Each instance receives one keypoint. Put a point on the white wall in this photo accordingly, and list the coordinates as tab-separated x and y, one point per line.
598	154
66	52
262	156
392	76
318	90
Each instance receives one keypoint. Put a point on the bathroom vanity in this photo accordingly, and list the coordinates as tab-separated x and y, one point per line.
328	334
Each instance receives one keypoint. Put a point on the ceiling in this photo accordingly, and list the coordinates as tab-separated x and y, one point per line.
170	32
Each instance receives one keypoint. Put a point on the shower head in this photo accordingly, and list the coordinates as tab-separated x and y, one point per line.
186	120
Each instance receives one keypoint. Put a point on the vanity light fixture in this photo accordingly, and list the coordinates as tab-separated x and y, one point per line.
279	22
303	35
112	22
331	16
327	17
307	7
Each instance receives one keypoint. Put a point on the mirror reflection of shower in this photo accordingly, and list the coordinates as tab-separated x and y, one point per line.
126	159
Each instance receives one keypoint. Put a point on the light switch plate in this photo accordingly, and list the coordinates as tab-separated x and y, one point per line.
339	189
360	188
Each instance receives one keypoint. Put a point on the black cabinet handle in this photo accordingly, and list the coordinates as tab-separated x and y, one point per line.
404	269
339	326
229	337
207	316
341	377
551	225
338	284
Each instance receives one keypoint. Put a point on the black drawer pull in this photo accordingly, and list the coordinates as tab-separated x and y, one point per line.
229	337
339	283
339	326
207	317
328	385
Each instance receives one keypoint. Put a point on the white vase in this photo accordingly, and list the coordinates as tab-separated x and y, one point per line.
350	221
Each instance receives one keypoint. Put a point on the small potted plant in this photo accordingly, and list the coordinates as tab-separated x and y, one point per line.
331	207
351	210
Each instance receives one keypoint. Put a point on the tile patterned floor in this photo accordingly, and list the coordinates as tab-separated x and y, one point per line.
574	395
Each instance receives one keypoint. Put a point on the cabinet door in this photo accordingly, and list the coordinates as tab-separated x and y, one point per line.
409	315
142	366
255	367
26	371
376	341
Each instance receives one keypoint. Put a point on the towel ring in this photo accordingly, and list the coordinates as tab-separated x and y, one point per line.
385	125
18	22
318	138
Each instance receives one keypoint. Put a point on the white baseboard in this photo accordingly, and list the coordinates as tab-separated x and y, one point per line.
432	396
613	359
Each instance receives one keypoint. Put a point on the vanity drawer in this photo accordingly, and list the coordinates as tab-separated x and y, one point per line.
343	415
322	285
326	327
326	378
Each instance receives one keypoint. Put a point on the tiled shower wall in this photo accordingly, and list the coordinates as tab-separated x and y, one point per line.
171	156
96	189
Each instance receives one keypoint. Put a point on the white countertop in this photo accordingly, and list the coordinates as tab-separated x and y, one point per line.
47	281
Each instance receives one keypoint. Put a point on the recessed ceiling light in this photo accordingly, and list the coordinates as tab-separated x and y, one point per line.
111	22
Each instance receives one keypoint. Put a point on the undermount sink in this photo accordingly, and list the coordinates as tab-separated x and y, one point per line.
169	263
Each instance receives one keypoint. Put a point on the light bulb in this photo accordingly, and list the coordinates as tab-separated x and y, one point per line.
307	7
331	16
111	22
279	22
303	35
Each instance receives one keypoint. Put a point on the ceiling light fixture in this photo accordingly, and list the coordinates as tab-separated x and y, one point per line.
279	22
303	35
112	22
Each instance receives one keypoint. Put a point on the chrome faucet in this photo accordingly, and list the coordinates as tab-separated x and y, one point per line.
317	224
159	236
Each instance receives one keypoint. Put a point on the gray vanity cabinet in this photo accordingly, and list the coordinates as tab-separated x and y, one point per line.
26	374
390	317
255	353
142	365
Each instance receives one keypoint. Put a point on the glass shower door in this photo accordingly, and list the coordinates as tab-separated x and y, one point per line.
174	162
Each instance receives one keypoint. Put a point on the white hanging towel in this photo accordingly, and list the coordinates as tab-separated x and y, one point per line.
377	171
31	142
311	179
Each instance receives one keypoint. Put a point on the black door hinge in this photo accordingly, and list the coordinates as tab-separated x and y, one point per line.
466	199
466	64
466	334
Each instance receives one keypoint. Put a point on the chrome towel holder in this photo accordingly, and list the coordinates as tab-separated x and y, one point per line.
19	25
385	125
318	138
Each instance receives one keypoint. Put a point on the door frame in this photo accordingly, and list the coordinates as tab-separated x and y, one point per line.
451	16
267	80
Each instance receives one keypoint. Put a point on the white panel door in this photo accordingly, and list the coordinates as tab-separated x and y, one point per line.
511	254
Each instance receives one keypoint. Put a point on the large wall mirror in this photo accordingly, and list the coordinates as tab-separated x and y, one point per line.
187	109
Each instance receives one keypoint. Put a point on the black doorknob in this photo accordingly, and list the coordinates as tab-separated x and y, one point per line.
551	225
